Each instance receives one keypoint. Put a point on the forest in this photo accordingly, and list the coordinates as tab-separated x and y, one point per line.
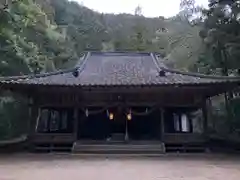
46	35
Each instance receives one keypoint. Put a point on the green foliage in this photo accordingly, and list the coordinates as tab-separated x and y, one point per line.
184	46
27	39
221	35
222	125
189	11
84	27
138	39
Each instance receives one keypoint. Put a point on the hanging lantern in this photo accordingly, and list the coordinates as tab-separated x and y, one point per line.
129	116
111	116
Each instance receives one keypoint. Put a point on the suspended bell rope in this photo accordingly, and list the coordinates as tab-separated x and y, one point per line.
145	113
93	112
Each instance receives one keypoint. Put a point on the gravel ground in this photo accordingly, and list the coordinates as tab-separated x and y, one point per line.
76	167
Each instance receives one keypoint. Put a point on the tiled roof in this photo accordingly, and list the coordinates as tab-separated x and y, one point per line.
118	69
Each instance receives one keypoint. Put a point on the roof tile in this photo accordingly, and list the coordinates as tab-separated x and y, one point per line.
111	69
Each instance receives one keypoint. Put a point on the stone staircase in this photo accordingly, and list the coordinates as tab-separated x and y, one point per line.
118	148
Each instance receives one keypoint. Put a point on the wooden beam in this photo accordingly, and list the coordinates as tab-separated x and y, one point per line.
34	115
162	129
198	89
75	123
210	113
190	120
205	118
101	99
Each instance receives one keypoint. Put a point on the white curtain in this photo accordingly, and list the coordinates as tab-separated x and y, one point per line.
185	123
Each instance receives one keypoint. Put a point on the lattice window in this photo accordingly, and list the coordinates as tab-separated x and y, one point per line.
55	120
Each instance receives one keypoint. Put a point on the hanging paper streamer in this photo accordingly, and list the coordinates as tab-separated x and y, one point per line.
86	112
145	112
95	111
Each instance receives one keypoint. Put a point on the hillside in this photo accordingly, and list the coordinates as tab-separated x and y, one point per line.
54	34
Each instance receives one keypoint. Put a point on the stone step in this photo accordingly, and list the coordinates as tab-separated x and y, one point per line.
185	148
118	148
52	147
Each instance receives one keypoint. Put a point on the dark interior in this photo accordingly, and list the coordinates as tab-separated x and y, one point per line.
100	127
94	126
144	127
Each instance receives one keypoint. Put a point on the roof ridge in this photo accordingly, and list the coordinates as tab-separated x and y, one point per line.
81	59
31	76
155	61
199	75
82	64
39	75
119	52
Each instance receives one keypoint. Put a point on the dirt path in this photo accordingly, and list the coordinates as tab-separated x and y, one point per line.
56	167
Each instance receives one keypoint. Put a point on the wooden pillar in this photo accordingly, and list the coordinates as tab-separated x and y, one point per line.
190	120
210	113
180	122
205	118
76	123
162	124
33	120
34	113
